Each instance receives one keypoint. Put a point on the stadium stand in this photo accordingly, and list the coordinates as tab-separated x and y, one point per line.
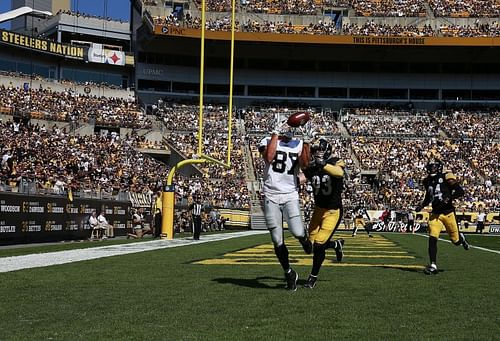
389	8
52	105
465	8
395	145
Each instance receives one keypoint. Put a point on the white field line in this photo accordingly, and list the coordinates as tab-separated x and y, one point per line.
62	257
471	246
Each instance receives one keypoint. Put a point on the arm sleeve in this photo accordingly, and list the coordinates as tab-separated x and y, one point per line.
427	198
333	170
335	167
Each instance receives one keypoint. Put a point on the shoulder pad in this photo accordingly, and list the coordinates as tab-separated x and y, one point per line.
450	176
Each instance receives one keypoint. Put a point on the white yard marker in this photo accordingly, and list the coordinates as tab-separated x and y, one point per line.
62	257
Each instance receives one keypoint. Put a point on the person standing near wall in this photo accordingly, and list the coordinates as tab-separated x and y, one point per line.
196	210
157	211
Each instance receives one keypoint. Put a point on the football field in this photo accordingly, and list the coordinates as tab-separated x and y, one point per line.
233	289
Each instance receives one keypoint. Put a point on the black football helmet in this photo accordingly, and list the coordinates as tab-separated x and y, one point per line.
322	149
434	167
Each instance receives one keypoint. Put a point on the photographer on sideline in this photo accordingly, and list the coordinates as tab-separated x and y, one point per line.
138	225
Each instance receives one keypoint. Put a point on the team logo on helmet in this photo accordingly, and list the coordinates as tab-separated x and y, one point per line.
322	149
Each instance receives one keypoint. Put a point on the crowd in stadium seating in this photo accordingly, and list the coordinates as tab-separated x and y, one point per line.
55	161
469	124
401	163
65	106
322	27
86	15
390	8
303	7
465	8
181	123
372	28
66	82
365	8
387	125
395	143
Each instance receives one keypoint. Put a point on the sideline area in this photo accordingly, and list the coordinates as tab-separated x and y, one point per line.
471	246
38	260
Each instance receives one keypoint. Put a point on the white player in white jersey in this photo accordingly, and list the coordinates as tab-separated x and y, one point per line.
283	156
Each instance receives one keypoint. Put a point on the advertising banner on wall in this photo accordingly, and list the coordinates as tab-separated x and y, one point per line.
29	219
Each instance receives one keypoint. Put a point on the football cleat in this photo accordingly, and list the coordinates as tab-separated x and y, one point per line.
431	269
465	243
339	249
291	280
311	282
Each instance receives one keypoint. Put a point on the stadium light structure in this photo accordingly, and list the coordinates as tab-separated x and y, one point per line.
19	12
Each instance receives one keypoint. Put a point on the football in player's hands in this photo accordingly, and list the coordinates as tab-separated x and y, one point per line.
298	119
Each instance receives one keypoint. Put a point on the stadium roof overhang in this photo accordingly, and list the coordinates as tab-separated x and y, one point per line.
18	12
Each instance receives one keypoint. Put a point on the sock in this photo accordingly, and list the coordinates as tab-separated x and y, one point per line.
282	254
355	230
331	244
433	249
318	258
306	244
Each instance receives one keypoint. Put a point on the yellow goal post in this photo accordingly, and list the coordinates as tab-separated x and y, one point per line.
168	194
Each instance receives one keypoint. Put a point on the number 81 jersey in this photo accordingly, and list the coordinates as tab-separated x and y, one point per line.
280	176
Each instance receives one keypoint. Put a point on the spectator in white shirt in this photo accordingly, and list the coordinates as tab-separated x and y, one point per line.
103	223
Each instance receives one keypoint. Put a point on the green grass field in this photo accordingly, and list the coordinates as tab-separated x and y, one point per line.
233	290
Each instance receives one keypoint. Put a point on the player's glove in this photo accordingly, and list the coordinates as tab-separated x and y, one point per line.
309	135
279	128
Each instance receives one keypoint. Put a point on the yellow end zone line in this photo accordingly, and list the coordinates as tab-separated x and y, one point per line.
232	261
272	256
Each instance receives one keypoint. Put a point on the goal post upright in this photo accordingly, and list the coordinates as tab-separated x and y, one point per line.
168	194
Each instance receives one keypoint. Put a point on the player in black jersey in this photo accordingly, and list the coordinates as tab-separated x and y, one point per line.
326	176
440	190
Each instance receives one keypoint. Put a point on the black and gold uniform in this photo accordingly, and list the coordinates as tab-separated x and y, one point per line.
325	174
360	214
327	183
440	190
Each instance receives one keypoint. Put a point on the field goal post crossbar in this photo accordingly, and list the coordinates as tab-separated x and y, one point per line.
168	194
